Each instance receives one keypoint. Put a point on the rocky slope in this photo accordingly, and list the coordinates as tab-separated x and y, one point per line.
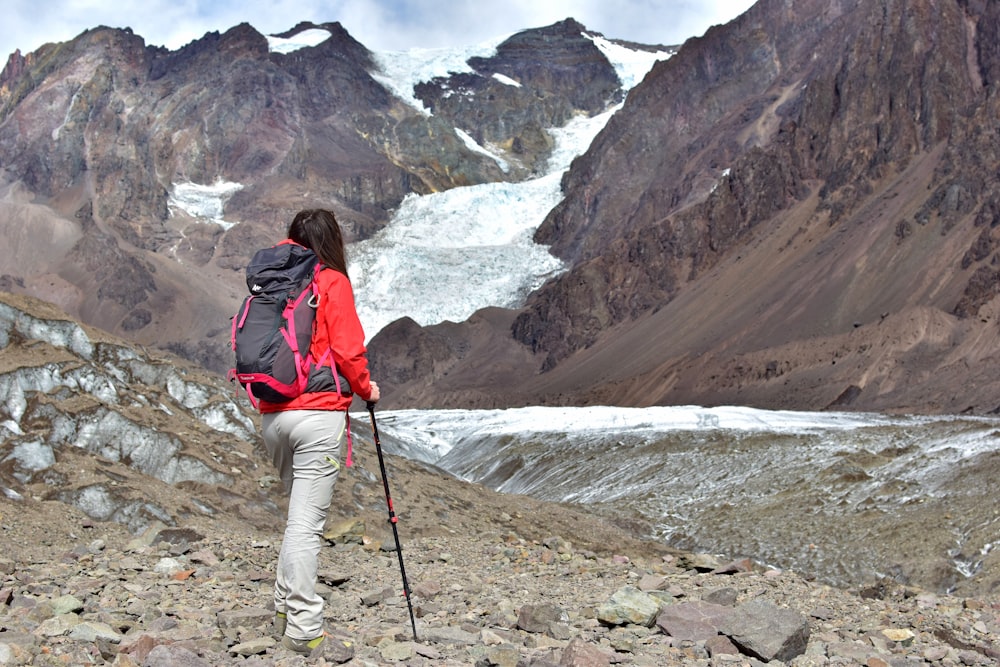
141	525
797	210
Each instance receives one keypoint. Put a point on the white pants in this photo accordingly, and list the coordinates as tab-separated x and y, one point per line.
304	445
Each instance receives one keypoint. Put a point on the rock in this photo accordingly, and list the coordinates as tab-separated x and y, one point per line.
254	646
350	531
855	652
66	604
244	618
501	656
693	621
651	582
93	631
764	630
629	605
720	645
581	654
172	655
373	598
396	651
725	597
449	635
168	566
540	618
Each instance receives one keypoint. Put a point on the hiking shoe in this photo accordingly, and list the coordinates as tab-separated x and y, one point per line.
325	646
303	646
280	623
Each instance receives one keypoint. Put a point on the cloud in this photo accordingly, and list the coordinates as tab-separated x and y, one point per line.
381	25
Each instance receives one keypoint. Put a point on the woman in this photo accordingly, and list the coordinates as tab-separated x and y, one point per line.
303	436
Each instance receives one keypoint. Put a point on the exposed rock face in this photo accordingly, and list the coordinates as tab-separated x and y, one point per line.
538	79
96	135
796	209
755	101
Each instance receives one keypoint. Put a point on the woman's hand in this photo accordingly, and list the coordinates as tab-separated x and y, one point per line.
375	395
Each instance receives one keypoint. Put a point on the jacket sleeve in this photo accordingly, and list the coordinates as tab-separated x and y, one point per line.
344	331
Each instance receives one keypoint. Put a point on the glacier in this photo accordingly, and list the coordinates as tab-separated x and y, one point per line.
445	255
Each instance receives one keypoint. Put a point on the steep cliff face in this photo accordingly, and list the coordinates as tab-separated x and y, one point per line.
796	210
790	99
538	79
102	137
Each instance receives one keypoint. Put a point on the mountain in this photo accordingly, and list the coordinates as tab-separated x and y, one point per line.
137	181
797	210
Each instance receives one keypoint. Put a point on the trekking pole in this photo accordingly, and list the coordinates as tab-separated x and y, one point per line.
392	519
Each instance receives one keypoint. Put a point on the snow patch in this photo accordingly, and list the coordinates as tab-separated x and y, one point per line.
205	203
473	146
506	80
630	65
303	40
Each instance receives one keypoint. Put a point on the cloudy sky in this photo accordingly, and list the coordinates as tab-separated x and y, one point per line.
381	25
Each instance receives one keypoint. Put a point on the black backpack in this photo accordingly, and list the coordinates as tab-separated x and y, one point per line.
272	330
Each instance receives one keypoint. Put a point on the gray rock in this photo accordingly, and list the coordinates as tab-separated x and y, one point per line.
501	656
373	598
66	604
449	635
172	655
244	618
540	618
763	630
92	631
253	646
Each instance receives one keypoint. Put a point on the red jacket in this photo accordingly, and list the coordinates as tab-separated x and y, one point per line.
337	328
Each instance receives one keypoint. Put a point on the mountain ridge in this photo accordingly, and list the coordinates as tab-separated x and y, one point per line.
97	135
788	190
794	211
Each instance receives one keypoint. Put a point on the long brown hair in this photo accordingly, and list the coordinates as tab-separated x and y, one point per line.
318	230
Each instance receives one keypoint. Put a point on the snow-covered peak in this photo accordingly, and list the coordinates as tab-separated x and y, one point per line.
400	71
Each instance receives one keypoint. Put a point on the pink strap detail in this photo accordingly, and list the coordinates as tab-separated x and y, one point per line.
238	323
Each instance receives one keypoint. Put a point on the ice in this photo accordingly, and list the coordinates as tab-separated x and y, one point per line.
33	455
446	255
204	202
